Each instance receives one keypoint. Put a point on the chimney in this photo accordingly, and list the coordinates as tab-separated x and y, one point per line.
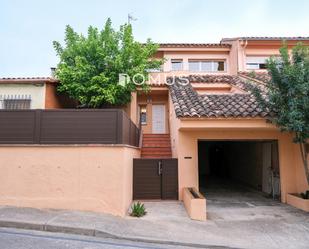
52	72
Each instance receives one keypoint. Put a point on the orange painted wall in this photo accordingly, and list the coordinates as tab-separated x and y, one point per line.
54	100
89	178
174	127
291	169
240	49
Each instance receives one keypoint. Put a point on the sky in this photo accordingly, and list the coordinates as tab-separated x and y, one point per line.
27	28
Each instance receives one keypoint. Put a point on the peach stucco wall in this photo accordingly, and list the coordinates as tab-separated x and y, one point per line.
52	101
91	178
241	48
196	207
174	127
291	170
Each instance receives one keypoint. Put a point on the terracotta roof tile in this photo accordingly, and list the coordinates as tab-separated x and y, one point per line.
188	103
194	45
259	76
275	38
27	79
263	38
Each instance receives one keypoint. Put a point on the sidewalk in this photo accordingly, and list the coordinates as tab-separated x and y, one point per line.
167	222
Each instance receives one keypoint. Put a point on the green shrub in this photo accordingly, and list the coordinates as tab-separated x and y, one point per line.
252	74
305	195
138	209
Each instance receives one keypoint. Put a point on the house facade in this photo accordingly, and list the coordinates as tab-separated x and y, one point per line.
31	93
217	111
199	123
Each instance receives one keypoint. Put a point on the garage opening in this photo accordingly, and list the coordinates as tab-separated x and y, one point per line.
225	165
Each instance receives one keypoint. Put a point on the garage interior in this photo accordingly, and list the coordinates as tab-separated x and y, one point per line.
226	167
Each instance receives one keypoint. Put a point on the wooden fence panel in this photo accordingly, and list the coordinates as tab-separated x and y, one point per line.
78	127
17	126
66	126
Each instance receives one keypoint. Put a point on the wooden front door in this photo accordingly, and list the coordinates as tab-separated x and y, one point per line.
158	119
155	179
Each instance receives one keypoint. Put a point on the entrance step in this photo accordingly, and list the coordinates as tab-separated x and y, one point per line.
156	146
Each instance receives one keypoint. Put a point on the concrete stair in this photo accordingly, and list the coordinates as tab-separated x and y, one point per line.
156	146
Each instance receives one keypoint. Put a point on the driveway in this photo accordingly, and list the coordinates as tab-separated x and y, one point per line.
241	219
232	201
237	218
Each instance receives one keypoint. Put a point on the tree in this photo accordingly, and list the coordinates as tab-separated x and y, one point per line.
286	95
90	65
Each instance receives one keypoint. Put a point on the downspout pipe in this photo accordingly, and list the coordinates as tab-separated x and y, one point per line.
243	44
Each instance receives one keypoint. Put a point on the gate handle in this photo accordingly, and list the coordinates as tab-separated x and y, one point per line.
160	168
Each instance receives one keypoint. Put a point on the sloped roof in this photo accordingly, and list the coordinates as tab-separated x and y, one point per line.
268	38
296	38
188	103
6	80
259	76
194	45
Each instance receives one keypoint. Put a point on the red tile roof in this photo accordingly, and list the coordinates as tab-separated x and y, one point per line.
263	38
194	45
188	103
259	76
27	80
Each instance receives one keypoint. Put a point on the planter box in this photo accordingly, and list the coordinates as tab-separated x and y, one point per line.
195	204
296	201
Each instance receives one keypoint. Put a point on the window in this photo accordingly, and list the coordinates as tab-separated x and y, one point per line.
154	70
256	62
13	102
219	65
194	66
176	64
206	66
143	114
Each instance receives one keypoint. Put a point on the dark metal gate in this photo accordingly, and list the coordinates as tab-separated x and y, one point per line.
155	179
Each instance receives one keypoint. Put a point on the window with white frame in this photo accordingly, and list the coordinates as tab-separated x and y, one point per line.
176	64
14	102
207	65
256	62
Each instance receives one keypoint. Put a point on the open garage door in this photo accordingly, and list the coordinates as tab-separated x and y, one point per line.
253	164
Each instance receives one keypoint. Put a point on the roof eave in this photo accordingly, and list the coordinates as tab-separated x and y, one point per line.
199	49
28	81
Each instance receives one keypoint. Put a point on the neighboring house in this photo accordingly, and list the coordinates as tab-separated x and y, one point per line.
209	127
251	53
31	93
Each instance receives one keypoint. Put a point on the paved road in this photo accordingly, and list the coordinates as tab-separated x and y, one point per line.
27	239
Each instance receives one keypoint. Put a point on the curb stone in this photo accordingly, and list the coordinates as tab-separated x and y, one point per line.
98	234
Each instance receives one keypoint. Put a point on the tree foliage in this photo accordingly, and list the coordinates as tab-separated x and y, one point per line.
90	65
287	95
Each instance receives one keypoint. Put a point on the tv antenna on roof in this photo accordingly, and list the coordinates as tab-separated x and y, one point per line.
131	18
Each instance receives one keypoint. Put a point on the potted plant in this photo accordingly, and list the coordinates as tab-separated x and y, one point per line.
300	201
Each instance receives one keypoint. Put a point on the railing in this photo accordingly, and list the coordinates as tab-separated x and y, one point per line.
140	134
159	78
67	126
15	101
130	132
